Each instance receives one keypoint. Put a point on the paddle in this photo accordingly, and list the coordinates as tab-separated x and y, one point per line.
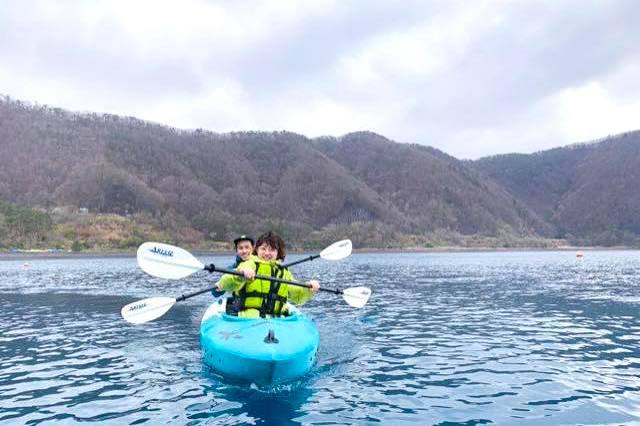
166	261
146	310
336	251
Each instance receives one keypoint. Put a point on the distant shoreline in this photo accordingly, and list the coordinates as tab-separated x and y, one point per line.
494	249
100	254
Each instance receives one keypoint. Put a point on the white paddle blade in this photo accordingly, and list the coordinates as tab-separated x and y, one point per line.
356	296
146	310
167	261
337	251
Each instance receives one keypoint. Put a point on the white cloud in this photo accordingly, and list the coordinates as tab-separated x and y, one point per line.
493	78
590	110
224	106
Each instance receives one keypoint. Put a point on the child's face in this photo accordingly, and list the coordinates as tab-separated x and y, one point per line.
266	252
244	249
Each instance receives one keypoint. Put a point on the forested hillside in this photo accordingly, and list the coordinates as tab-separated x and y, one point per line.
588	192
105	181
198	186
437	191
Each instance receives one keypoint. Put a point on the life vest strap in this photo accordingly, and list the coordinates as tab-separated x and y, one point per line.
269	299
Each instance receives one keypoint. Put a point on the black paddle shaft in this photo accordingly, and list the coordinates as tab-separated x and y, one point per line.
212	268
195	293
306	259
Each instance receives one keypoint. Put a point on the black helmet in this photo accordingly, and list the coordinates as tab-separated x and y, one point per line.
243	238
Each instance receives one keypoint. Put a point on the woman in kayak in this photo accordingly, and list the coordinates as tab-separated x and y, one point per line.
255	298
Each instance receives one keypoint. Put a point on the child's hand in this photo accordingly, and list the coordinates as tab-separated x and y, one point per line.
315	285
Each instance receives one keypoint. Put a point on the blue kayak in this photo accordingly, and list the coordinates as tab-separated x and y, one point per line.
258	350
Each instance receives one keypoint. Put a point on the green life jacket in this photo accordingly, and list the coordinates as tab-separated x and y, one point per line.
268	297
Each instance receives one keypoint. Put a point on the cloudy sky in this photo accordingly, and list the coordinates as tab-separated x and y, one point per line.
472	78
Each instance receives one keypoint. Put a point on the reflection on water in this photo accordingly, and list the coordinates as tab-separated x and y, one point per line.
464	338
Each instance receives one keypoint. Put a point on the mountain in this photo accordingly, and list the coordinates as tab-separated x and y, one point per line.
220	184
198	186
435	190
588	192
122	165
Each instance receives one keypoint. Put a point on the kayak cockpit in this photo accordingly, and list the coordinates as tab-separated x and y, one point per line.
219	309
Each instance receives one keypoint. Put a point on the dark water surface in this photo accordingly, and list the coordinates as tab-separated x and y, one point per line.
447	338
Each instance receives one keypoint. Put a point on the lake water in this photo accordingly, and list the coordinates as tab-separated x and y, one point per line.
446	338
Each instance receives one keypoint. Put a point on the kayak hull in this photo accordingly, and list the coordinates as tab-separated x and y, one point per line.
259	350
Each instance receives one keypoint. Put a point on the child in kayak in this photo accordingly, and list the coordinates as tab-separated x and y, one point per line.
244	250
255	298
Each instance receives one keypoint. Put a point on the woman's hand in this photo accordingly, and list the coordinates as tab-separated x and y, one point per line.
249	274
315	285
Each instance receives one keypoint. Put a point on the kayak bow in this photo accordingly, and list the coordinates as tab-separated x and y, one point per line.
258	350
